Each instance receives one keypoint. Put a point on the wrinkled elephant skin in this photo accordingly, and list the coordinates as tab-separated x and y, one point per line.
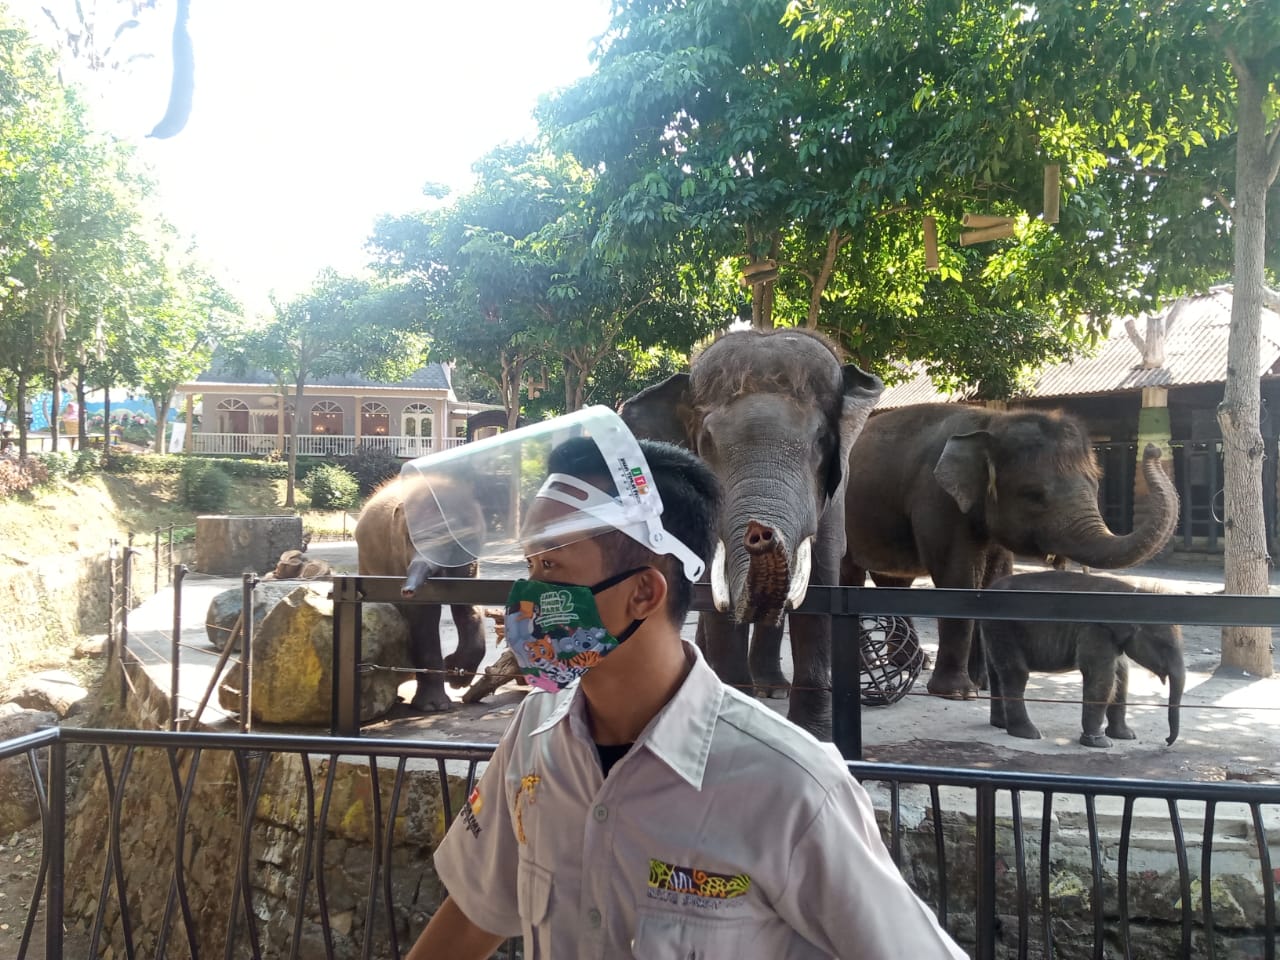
774	413
954	492
384	549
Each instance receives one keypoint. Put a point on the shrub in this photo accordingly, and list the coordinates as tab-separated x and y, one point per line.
86	462
252	468
331	487
203	486
145	463
58	465
371	466
17	476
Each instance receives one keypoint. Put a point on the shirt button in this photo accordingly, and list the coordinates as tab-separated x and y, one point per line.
601	813
593	917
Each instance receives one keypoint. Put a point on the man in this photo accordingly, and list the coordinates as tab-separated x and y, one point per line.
649	810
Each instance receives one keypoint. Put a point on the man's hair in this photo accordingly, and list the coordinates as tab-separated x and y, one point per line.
691	499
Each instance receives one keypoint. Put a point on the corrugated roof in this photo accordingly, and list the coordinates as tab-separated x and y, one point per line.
433	376
1195	352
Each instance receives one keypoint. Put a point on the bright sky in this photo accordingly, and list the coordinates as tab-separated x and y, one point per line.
312	117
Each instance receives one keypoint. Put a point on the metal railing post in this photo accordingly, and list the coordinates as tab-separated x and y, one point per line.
169	562
846	691
155	563
126	597
345	711
178	574
246	651
55	849
113	554
985	852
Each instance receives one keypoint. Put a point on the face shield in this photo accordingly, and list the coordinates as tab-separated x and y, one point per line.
540	487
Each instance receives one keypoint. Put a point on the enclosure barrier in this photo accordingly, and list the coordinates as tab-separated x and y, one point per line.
1012	859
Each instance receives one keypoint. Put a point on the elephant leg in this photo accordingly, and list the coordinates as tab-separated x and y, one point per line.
901	656
725	646
997	687
1013	690
461	665
1099	687
424	654
765	662
951	672
810	705
1117	728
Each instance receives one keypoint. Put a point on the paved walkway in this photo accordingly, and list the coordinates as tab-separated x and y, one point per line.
1230	726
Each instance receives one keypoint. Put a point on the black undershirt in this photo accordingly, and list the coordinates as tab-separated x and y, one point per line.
610	754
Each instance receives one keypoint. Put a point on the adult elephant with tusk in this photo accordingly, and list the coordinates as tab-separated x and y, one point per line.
955	492
775	414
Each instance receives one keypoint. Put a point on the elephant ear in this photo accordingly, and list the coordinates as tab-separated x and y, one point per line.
965	470
661	412
861	393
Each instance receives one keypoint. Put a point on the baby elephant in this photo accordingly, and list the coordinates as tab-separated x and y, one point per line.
1016	647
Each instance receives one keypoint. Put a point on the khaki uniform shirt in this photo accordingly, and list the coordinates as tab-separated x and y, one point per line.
725	832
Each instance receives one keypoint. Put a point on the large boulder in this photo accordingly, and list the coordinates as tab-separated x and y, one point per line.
224	609
50	690
21	805
293	661
228	546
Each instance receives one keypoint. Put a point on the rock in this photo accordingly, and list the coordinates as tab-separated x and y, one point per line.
229	546
21	806
94	646
224	609
293	661
294	565
53	690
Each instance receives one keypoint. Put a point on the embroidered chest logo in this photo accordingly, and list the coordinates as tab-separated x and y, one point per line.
691	887
525	796
474	804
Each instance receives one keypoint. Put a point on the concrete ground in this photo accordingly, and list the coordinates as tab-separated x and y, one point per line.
1230	725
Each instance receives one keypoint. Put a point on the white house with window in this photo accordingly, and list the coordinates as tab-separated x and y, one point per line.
250	414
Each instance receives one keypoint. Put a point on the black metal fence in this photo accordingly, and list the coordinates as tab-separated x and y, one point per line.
185	853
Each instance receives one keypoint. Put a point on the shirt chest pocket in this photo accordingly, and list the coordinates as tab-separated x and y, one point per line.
533	898
663	935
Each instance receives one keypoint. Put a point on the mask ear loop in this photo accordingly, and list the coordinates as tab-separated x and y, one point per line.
645	530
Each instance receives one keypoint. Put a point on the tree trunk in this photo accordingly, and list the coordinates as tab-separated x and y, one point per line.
291	484
834	242
106	424
161	406
20	399
82	419
1246	648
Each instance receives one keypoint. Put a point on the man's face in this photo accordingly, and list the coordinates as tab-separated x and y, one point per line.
555	555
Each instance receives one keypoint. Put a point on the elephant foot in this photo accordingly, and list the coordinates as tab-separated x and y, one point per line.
771	686
1119	731
431	700
955	686
998	721
1095	740
460	670
812	711
1025	731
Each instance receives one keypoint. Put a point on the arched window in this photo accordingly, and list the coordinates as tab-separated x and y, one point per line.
326	417
375	419
418	420
233	416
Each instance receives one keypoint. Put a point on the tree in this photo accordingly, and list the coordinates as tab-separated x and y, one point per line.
341	325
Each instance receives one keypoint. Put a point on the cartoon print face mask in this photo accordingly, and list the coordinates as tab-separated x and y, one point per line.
555	632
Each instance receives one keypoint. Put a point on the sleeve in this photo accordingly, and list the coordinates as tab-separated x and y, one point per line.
844	894
477	860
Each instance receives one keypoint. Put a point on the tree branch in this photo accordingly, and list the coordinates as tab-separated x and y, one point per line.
1273	154
1224	202
824	277
1271	298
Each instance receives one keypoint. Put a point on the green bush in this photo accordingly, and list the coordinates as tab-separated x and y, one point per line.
146	463
87	462
331	487
371	466
203	486
58	465
19	475
254	468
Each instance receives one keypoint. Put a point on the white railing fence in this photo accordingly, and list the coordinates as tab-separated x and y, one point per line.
318	445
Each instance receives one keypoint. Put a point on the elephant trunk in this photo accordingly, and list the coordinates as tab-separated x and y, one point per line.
1177	679
1091	544
417	574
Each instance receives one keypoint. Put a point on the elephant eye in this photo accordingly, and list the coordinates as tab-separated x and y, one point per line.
706	444
1034	494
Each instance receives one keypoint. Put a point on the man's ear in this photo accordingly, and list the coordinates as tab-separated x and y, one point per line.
648	595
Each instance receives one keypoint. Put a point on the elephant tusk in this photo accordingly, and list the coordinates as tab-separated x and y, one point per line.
719	582
800	579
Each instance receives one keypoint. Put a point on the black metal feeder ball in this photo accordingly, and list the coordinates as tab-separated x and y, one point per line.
891	658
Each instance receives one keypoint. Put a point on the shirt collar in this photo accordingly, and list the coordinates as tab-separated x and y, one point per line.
681	733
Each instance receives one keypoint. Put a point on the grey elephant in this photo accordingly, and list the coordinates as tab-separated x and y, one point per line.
1097	650
955	492
385	549
775	414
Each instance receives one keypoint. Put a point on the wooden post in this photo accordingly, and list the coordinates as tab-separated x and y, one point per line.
280	423
984	220
986	233
930	243
359	418
190	418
